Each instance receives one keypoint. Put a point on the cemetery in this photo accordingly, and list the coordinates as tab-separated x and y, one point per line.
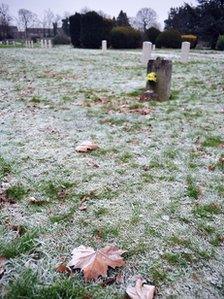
111	171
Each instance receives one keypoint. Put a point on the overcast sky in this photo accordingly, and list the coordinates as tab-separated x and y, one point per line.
111	7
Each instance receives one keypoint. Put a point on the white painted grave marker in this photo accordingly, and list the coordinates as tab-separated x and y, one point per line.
146	52
31	44
153	47
185	49
49	44
45	43
42	43
104	46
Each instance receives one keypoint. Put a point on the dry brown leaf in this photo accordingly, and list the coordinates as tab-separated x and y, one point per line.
95	263
2	266
140	290
38	202
63	268
83	207
86	146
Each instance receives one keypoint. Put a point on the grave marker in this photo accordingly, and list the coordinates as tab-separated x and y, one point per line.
104	46
42	43
185	49
159	73
146	52
49	44
45	43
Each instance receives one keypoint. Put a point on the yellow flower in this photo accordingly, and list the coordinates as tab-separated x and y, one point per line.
152	77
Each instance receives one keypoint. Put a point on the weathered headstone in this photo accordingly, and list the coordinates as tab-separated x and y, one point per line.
146	52
185	49
153	47
7	42
159	74
14	43
104	46
41	43
31	44
45	43
49	43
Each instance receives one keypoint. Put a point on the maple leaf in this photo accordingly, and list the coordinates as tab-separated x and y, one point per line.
86	146
95	263
140	290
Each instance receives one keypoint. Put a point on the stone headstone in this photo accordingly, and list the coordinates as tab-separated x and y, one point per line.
153	47
45	43
146	52
185	49
42	43
49	43
31	44
7	42
13	42
161	72
104	46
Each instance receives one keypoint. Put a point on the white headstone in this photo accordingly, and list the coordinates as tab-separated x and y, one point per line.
146	52
104	46
153	47
185	49
13	42
7	42
31	44
41	43
45	43
49	43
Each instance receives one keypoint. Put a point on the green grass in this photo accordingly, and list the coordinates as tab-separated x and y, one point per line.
16	192
212	141
135	93
28	286
207	210
20	245
5	168
192	189
181	259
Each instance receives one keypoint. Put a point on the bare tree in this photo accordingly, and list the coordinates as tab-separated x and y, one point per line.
26	19
145	18
5	19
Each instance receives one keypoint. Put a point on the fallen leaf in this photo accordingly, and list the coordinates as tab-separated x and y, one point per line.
83	208
86	146
63	268
35	201
211	167
95	263
2	266
140	290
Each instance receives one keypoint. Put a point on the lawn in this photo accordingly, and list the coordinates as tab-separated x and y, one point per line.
154	187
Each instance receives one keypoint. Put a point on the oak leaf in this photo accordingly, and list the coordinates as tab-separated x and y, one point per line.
95	263
86	146
140	290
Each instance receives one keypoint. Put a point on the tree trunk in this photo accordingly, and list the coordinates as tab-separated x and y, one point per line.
160	89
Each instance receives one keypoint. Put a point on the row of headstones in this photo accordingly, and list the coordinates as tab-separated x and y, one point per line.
44	43
149	47
8	43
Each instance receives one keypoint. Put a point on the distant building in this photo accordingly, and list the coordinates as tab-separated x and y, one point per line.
8	32
39	32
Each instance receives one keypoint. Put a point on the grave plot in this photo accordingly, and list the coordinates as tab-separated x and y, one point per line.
85	162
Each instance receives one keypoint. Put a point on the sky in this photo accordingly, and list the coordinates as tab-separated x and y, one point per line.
111	7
